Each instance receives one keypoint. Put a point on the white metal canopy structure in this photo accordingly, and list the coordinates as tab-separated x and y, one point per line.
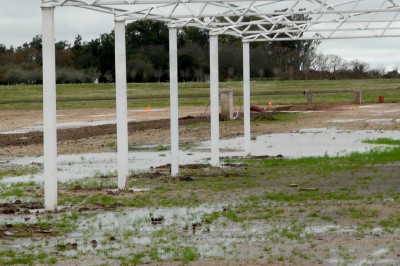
257	20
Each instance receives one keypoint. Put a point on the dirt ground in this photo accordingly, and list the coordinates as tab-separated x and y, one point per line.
94	130
335	237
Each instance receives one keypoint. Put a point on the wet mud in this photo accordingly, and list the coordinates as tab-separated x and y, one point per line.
84	132
32	138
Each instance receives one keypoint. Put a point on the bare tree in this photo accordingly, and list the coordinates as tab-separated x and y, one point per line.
334	63
320	64
381	70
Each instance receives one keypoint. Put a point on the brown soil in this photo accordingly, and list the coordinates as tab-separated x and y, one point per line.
10	231
193	126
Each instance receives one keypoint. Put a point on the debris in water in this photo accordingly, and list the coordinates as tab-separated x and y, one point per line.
186	178
72	245
157	220
8	233
309	189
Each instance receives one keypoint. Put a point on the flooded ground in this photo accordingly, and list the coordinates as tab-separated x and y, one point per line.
312	142
160	235
264	211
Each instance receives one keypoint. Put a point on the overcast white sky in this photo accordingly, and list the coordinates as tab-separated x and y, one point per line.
20	21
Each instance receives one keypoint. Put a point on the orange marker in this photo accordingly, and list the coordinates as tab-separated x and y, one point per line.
270	104
147	108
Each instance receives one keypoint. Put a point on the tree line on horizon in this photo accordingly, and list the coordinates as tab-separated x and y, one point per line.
148	58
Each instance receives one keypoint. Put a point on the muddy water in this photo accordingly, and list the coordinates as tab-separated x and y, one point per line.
302	143
126	231
119	229
310	142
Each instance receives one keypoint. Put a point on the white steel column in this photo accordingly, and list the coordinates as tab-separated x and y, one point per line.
122	104
246	97
49	110
214	100
174	104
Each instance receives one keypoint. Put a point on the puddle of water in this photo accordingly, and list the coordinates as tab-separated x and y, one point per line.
380	252
378	121
72	167
338	261
106	115
346	120
323	229
367	106
311	142
18	131
303	143
132	227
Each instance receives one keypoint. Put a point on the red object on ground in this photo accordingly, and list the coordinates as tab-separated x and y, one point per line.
256	108
381	99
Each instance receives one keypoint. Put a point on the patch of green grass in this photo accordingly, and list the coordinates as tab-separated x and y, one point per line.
12	257
105	200
136	259
383	141
314	213
99	181
188	254
232	215
13	191
209	218
253	200
375	156
161	148
392	223
73	200
162	253
295	231
11	171
363	213
362	228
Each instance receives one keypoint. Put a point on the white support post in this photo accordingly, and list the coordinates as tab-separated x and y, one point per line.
174	101
214	100
246	97
49	110
122	104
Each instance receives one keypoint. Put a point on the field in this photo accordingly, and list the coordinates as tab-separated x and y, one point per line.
322	185
157	94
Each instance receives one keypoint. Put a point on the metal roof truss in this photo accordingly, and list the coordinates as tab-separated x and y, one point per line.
261	20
